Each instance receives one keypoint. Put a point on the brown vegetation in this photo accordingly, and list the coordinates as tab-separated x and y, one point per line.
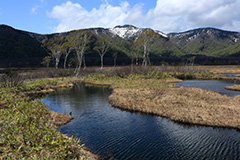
236	75
221	68
59	119
150	93
211	68
233	88
187	105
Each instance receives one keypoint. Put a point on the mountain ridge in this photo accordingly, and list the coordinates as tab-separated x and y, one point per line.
207	41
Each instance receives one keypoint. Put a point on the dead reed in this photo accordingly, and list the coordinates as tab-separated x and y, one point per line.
186	105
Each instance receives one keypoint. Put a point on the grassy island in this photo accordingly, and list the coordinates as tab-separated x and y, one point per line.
150	92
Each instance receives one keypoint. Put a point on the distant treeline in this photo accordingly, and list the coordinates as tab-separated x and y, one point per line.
108	61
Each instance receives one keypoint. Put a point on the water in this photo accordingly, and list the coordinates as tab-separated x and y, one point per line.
105	129
230	75
214	85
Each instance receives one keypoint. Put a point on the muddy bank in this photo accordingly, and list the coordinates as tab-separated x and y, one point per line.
186	105
59	119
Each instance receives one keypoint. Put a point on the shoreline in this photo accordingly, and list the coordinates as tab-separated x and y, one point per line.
192	106
59	119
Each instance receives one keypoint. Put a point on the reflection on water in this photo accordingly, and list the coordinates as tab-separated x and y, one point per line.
103	128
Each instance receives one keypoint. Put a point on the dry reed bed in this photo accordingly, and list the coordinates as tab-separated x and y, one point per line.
214	69
233	88
187	105
221	68
236	75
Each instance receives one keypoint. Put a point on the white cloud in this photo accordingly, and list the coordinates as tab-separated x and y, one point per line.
166	16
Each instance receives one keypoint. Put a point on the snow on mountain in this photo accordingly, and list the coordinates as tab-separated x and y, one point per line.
162	34
130	32
126	31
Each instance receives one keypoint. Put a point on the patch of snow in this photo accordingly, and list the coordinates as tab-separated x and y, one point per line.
124	32
162	34
235	39
96	32
128	31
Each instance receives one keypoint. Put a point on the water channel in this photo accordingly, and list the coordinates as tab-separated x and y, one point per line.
125	135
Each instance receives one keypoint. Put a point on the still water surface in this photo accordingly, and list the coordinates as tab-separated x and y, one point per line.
105	129
214	85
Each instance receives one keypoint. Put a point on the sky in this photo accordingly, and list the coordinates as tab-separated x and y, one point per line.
51	16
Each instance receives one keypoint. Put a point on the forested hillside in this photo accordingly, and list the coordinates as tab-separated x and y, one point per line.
125	45
15	45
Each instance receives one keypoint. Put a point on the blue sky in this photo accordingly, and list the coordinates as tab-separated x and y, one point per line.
48	16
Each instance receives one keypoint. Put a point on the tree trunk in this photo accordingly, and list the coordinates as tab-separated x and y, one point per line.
56	64
115	61
137	61
78	68
148	59
84	62
101	62
144	55
65	60
75	71
80	59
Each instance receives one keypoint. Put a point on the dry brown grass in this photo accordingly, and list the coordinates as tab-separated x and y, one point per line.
156	96
187	105
236	75
59	119
233	88
214	69
221	68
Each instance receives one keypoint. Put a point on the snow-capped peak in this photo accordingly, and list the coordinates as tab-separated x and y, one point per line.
126	31
131	32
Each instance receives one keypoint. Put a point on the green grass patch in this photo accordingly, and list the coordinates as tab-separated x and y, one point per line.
25	129
197	75
151	80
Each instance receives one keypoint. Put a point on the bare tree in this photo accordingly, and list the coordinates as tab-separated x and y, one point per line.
102	47
133	54
54	45
145	40
66	48
80	40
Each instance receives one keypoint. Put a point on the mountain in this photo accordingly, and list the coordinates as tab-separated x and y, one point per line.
16	44
127	32
130	32
21	48
162	46
204	41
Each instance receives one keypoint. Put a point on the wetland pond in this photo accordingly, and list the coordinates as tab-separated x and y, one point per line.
125	135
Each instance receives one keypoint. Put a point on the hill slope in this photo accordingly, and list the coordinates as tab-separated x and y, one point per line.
19	44
205	41
23	47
